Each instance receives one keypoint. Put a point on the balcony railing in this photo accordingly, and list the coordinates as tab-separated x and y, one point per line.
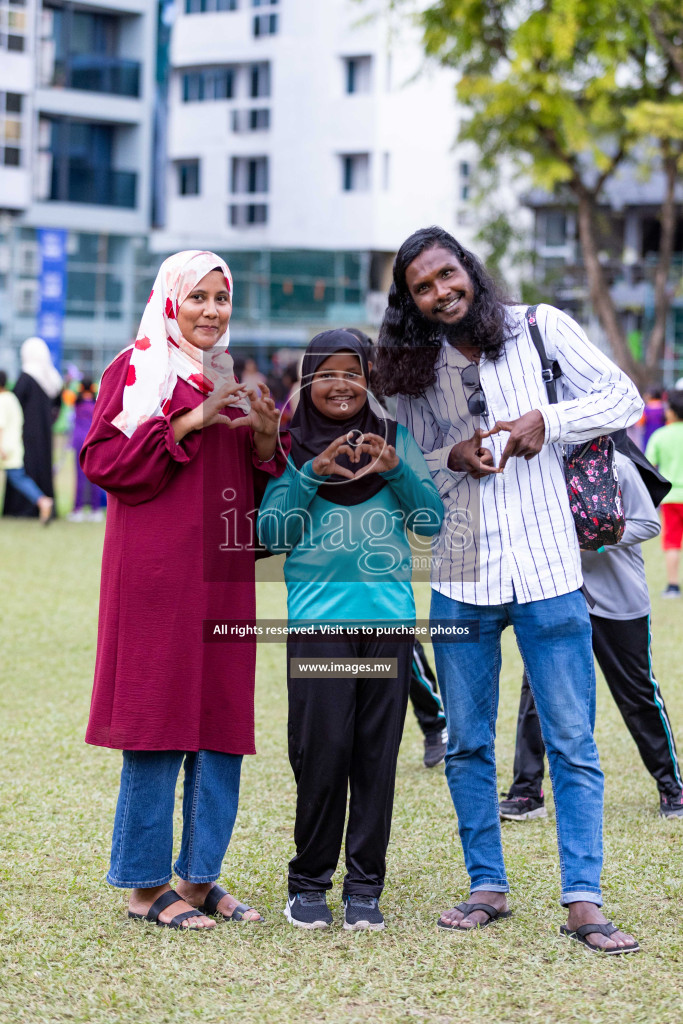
97	73
75	182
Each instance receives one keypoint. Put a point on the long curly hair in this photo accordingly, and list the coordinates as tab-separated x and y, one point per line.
408	343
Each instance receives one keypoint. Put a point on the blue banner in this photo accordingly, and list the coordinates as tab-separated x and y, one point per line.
52	289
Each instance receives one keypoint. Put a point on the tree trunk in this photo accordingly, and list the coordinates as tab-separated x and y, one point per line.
598	288
654	349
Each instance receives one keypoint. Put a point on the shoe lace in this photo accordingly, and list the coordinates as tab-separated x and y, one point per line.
363	901
312	898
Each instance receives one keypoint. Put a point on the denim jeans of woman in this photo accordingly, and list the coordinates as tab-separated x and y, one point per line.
554	639
24	484
142	844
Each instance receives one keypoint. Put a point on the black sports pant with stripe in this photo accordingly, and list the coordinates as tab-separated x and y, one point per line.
622	650
424	694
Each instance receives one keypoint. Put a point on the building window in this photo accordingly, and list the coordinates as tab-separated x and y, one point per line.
249	174
355	172
84	50
465	176
248	214
219	84
188	177
259	81
11	129
76	164
265	25
357	74
193	87
251	120
202	6
555	228
14	24
212	84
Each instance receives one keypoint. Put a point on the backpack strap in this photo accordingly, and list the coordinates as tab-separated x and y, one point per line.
550	367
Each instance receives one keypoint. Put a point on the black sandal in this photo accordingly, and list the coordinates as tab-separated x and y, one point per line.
210	907
583	931
163	901
468	908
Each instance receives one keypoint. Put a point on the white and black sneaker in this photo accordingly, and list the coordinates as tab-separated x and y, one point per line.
435	744
362	913
522	808
308	910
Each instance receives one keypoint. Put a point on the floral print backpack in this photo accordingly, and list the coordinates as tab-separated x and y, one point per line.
594	493
589	469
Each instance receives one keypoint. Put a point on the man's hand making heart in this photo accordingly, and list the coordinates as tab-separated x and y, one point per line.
527	434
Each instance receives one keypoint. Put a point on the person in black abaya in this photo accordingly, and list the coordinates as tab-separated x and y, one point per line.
38	389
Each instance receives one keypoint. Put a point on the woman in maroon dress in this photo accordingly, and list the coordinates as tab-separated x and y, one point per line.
179	448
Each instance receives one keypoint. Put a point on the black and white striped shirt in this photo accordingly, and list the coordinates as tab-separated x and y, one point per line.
512	534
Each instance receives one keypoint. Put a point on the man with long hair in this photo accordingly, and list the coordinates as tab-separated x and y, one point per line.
472	391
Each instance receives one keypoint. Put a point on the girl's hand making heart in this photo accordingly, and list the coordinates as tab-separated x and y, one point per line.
383	455
325	464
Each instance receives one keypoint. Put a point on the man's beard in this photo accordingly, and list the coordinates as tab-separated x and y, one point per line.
462	331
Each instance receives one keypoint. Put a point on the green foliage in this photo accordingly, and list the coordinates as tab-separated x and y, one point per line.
661	120
556	84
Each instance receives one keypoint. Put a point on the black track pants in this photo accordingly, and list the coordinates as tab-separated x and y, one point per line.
424	694
344	735
622	650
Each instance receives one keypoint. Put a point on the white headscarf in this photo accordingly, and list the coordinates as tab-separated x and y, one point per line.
36	361
161	354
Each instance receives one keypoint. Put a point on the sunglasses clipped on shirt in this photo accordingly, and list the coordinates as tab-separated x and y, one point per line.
476	402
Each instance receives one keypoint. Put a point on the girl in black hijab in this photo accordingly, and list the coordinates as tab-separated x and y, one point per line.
353	482
316	424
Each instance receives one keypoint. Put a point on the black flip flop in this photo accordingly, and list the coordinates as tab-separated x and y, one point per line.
583	931
468	908
165	900
210	907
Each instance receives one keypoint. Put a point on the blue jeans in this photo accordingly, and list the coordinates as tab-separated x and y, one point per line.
142	844
23	483
554	639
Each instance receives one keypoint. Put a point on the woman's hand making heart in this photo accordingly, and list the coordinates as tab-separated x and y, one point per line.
263	417
209	412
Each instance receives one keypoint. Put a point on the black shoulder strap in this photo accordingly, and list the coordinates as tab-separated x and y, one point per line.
551	367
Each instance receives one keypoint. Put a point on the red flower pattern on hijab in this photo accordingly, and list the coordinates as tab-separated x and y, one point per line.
161	354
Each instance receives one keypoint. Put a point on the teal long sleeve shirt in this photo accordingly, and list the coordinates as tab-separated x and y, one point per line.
351	565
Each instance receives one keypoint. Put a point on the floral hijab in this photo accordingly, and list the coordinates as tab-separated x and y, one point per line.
161	355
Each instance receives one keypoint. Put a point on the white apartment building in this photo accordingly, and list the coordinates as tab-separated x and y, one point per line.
77	94
304	144
16	85
299	138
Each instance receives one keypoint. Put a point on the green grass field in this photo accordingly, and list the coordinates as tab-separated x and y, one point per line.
68	952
